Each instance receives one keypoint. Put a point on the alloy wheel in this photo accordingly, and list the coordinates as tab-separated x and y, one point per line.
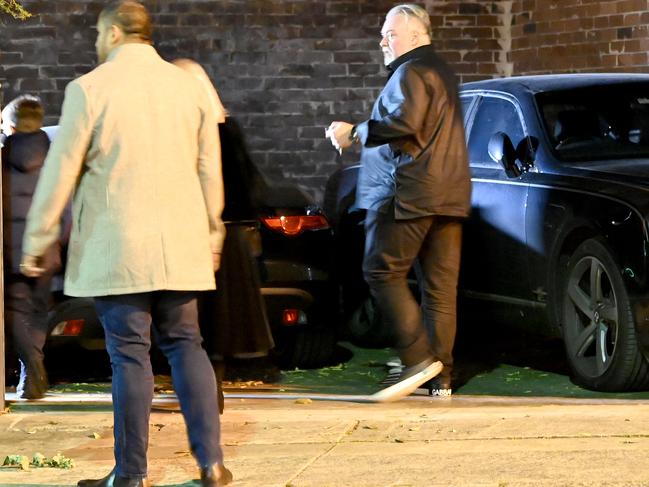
591	318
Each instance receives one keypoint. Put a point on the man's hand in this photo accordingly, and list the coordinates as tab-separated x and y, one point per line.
339	134
216	261
31	266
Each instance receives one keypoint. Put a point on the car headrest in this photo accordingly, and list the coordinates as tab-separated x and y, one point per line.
576	123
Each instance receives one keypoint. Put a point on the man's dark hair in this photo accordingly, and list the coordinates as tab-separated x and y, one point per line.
29	116
130	16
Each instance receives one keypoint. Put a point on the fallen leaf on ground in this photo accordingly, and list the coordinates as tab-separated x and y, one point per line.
38	460
20	461
60	461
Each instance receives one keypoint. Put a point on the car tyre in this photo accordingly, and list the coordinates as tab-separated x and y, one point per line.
366	329
597	322
304	348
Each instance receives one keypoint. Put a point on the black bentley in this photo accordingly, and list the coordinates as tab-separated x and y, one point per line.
558	235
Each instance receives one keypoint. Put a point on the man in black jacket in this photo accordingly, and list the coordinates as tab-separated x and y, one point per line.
415	184
26	298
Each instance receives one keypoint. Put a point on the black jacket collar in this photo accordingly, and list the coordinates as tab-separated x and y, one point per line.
417	52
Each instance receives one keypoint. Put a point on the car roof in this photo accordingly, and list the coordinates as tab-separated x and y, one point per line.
553	82
51	131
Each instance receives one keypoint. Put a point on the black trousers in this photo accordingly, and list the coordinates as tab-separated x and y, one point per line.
432	245
26	304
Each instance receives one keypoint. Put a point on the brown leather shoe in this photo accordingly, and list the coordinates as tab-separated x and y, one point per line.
215	476
112	480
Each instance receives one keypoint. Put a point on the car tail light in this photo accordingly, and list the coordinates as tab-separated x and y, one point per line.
295	224
69	328
293	317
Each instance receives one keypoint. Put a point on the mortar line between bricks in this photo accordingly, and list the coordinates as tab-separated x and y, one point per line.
350	429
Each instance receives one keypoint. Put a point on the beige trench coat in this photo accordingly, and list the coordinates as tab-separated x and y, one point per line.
138	145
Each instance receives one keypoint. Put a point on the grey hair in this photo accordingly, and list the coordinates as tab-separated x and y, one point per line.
413	11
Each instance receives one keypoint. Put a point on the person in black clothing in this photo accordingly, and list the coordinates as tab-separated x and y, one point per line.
234	323
26	299
415	184
233	318
240	327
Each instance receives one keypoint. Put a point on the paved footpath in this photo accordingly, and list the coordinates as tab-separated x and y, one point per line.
463	441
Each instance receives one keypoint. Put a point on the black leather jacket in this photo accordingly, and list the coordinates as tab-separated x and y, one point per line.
414	148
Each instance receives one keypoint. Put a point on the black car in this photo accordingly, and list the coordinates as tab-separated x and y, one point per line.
558	237
292	239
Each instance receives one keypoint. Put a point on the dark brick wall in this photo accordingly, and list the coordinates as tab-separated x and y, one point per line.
286	68
551	36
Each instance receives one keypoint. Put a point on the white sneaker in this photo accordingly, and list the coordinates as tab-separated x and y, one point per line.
394	362
411	378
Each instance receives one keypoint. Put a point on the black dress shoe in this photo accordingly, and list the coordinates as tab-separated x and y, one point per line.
112	480
215	476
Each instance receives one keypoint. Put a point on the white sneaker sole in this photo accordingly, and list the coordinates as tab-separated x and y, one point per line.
407	386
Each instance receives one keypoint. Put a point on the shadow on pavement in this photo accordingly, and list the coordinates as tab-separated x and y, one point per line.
481	349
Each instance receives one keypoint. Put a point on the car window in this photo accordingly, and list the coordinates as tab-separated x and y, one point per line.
597	122
494	115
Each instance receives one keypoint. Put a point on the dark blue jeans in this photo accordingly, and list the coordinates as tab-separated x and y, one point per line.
431	245
173	316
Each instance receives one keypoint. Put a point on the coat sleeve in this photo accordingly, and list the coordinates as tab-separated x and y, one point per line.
60	172
210	175
409	100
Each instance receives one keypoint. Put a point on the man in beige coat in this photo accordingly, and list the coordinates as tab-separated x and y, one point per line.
138	147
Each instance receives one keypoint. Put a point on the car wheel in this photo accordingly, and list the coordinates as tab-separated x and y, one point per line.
598	327
304	348
366	329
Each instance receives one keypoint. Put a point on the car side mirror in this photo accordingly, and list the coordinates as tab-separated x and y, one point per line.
502	151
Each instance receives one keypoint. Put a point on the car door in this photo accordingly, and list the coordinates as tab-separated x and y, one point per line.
494	264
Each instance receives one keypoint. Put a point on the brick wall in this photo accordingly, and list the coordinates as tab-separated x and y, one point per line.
580	35
473	36
286	68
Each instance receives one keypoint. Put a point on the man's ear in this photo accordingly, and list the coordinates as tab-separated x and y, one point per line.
116	34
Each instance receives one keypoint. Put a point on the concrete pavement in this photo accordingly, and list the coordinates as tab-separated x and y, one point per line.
269	441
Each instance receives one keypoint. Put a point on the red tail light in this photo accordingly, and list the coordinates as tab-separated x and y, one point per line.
293	317
69	328
296	224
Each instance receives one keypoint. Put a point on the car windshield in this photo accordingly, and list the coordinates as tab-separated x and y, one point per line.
599	122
